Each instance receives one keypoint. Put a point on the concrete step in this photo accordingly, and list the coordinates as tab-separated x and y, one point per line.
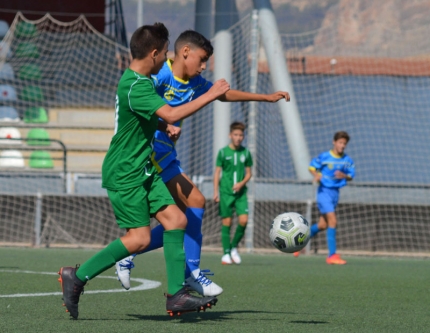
96	117
78	139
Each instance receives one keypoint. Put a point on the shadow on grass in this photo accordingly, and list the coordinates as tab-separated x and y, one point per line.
194	317
311	322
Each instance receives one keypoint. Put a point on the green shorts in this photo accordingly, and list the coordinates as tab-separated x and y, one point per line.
133	207
229	201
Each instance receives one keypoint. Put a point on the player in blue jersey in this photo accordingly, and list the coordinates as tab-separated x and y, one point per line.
178	82
332	169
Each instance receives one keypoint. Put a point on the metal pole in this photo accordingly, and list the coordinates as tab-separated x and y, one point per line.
252	130
38	219
139	13
281	80
223	55
203	18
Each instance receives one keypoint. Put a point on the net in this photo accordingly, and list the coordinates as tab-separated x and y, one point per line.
378	96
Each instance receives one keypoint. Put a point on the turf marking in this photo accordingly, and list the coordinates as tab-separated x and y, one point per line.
144	285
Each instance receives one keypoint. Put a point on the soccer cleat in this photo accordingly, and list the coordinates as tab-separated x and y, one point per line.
203	285
183	301
71	288
296	254
226	259
335	259
123	268
235	257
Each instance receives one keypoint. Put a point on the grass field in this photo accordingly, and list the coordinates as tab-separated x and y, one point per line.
267	293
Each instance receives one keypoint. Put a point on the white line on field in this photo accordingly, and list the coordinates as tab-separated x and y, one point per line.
144	285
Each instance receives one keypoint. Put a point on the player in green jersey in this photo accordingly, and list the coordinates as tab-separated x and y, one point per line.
235	162
134	188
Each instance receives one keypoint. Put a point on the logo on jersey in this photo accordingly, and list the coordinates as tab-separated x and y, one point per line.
242	158
228	158
330	166
168	95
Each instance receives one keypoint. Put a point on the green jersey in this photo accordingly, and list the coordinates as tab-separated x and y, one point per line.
233	164
128	161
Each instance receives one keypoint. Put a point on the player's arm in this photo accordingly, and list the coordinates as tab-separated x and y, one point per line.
243	96
315	173
216	183
174	114
248	175
174	132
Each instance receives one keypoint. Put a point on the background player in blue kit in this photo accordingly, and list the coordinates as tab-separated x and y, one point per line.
179	82
332	169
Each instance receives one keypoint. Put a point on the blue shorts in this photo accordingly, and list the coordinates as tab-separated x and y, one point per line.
327	199
171	170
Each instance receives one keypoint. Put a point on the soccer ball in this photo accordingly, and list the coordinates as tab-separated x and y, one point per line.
290	232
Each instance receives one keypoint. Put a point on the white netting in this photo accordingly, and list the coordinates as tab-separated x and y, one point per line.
58	82
378	95
380	98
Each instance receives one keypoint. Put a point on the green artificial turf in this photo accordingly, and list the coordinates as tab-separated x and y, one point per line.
266	293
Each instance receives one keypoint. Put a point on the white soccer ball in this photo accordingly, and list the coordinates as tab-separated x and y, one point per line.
290	232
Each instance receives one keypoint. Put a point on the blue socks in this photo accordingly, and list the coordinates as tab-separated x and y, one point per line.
314	230
156	239
331	241
193	239
331	238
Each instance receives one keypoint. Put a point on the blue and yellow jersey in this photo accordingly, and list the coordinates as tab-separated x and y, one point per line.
175	92
327	163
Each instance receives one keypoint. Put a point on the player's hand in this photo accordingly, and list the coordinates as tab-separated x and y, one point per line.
216	197
174	132
279	95
317	177
237	187
219	88
339	174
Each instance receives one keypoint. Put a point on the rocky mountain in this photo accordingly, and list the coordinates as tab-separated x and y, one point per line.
394	28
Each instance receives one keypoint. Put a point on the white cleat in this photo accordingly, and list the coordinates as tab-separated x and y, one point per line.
235	256
203	285
123	268
226	259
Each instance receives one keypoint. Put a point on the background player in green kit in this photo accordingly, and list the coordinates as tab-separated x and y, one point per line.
134	188
235	162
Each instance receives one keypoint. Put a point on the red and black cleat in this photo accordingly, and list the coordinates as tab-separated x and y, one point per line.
183	302
72	288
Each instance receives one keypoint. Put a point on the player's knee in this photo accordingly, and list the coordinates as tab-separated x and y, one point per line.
197	200
140	243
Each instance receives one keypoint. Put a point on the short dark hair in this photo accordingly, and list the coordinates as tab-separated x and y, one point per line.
341	135
237	125
147	38
194	38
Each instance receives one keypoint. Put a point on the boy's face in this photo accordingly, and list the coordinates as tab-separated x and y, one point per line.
339	146
195	60
160	58
236	137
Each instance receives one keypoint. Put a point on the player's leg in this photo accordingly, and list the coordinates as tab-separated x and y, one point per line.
124	266
191	201
330	217
225	240
225	209
132	213
241	207
324	204
174	223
